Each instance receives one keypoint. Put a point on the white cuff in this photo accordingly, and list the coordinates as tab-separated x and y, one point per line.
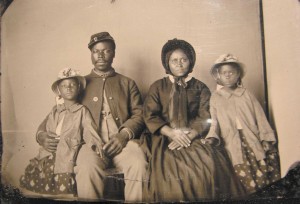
129	132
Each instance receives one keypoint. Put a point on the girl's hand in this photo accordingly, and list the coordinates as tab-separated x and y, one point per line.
98	150
267	146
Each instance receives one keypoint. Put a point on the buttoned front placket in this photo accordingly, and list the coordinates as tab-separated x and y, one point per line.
108	127
112	100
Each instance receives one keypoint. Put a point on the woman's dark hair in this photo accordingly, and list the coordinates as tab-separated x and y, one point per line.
173	45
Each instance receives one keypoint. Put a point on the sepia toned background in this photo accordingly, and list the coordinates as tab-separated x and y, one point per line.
39	38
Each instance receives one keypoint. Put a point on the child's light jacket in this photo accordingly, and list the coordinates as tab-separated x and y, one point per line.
226	108
78	128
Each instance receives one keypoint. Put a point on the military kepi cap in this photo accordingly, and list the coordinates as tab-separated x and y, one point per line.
99	37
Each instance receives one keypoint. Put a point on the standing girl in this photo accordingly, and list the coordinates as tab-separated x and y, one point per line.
176	112
69	126
240	123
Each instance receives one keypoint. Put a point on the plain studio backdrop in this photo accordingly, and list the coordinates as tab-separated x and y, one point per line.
39	38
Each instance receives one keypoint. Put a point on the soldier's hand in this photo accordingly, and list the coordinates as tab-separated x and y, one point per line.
48	142
116	144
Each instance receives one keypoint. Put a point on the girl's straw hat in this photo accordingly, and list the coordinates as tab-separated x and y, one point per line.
66	74
226	59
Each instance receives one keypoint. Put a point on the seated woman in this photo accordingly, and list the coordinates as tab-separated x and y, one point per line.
176	112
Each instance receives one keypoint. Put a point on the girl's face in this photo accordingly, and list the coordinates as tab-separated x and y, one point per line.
228	76
179	63
69	89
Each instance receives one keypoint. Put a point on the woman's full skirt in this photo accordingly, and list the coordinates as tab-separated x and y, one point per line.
198	172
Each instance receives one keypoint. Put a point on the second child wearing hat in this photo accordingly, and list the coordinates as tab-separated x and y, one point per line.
69	125
176	112
240	123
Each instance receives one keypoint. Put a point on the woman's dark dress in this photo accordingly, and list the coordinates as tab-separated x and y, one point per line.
189	174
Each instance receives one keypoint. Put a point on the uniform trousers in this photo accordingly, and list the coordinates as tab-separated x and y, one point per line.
90	174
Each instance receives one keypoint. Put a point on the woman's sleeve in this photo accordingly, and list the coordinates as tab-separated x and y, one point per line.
201	121
214	130
153	110
266	133
90	134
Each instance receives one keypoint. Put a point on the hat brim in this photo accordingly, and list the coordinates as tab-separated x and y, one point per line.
213	70
81	80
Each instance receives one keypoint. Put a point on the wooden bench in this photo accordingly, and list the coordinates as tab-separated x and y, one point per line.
114	184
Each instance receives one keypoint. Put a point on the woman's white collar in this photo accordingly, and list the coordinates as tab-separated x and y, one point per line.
188	78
